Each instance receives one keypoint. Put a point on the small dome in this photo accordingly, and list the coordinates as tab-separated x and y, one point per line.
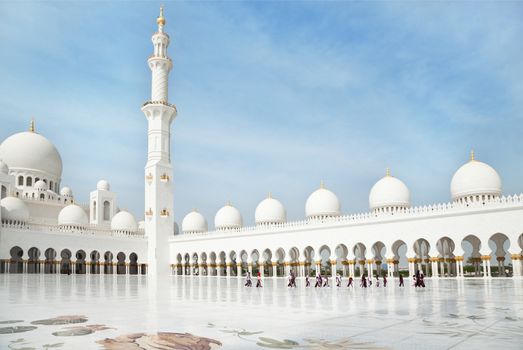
228	217
389	192
30	151
66	192
270	211
72	215
4	169
124	222
475	178
322	203
40	185
103	185
14	209
194	222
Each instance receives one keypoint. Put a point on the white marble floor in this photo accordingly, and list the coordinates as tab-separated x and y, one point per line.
447	314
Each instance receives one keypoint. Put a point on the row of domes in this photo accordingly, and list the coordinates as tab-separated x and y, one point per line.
14	210
473	179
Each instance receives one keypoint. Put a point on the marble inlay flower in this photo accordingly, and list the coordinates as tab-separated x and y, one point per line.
59	320
160	340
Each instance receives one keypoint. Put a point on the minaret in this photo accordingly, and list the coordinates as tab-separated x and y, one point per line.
159	220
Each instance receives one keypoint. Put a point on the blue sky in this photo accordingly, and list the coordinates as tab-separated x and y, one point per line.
272	96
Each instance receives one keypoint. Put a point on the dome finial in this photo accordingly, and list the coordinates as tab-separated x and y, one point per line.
472	155
32	125
269	195
387	172
228	204
322	184
161	20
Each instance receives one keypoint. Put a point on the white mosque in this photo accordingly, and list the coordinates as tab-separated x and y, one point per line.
44	230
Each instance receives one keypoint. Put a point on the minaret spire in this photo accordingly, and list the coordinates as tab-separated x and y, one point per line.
159	222
160	20
32	126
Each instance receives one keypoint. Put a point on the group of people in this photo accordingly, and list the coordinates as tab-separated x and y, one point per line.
323	281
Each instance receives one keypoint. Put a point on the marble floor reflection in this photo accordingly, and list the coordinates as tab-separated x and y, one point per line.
112	312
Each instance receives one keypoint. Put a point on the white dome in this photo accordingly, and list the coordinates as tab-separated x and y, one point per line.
124	221
14	209
227	217
66	192
322	202
389	192
40	186
4	169
72	215
103	185
475	178
270	211
194	222
31	151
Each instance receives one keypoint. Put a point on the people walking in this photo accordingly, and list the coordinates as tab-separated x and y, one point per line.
338	280
350	282
401	280
258	283
363	282
307	281
318	280
384	280
248	280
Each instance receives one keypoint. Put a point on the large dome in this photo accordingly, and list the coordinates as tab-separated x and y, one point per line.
270	211
475	178
322	203
14	210
124	222
228	217
31	151
72	215
389	192
194	222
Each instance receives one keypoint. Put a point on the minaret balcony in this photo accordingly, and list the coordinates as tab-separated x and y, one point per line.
165	103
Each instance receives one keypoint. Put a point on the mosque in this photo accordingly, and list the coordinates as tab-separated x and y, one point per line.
479	232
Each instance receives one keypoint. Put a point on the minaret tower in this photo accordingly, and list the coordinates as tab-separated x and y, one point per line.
159	222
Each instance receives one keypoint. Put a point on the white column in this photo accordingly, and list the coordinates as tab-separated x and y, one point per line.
485	272
274	270
239	269
333	269
488	268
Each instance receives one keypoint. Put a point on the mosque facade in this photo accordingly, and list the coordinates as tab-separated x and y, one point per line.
45	230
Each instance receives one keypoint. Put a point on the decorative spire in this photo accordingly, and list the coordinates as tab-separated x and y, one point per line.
472	155
387	172
228	204
195	210
322	184
270	195
32	126
160	20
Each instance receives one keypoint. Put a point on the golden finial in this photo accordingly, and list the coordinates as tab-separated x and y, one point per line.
322	184
228	203
32	126
472	155
387	172
195	210
270	195
161	20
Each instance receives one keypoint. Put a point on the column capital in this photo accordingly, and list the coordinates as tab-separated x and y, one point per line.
485	257
333	262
